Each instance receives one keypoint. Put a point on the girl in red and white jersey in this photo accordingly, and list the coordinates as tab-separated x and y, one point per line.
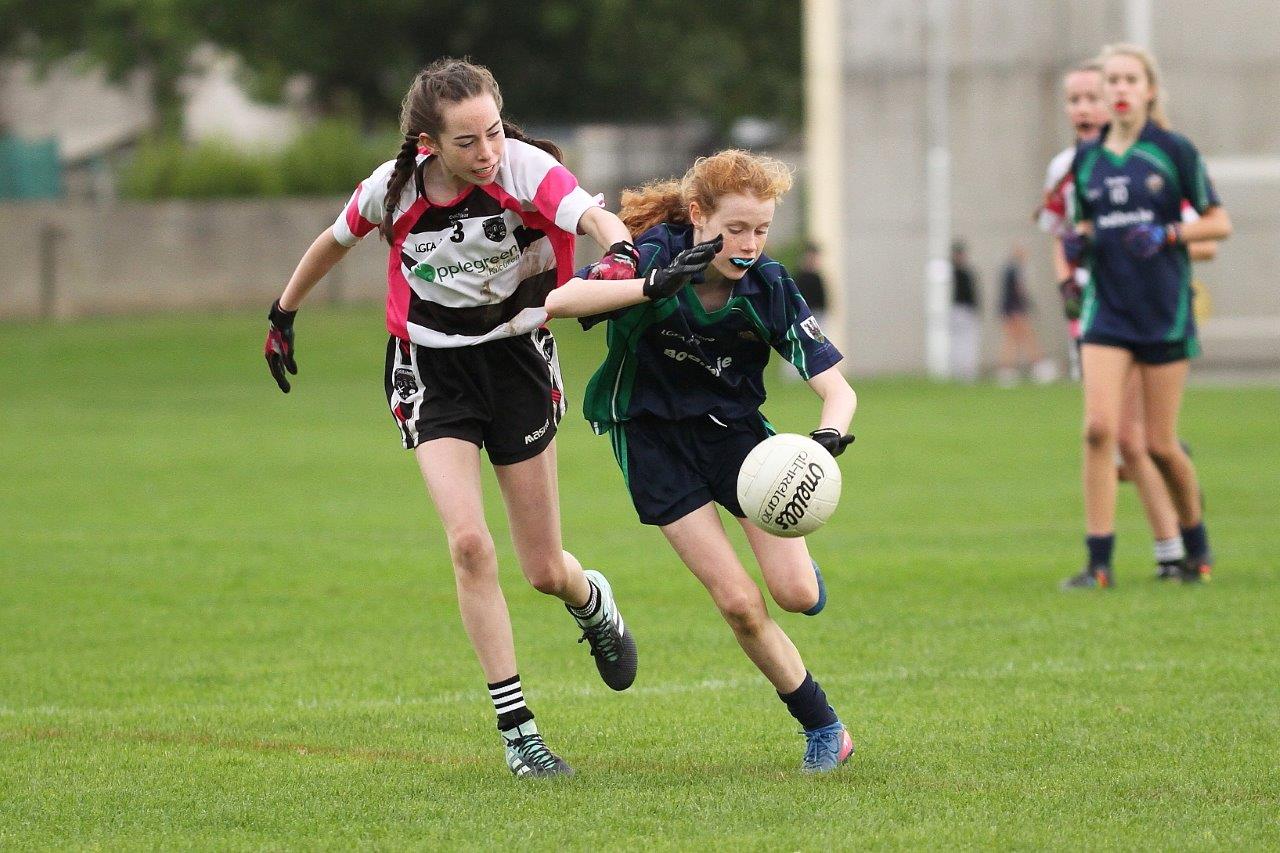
481	222
1087	112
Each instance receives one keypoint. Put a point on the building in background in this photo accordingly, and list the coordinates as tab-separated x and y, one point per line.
929	118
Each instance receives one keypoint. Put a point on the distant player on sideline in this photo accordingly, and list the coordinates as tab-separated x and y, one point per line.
680	393
1128	190
481	223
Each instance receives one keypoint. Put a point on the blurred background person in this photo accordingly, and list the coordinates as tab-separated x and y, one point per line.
965	320
1087	112
810	284
1019	345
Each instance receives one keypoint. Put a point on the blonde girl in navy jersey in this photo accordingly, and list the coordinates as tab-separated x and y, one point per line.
480	222
1129	190
680	393
1087	111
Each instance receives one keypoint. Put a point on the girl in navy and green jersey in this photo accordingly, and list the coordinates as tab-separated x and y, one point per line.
680	393
1129	189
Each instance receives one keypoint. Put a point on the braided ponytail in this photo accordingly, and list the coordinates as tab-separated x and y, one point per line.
450	81
400	175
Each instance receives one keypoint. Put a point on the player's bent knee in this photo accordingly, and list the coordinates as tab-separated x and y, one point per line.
549	580
1098	435
1164	455
1132	448
744	610
796	597
471	550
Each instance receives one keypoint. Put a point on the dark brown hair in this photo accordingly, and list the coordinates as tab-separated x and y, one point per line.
451	81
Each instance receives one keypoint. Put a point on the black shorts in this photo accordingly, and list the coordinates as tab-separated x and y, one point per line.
673	467
505	395
1162	352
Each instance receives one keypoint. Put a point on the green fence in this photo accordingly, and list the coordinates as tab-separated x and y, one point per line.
29	169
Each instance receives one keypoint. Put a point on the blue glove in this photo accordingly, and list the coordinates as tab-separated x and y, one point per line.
1073	245
1145	241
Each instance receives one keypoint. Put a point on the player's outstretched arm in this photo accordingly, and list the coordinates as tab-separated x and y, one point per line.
621	260
585	297
839	402
325	252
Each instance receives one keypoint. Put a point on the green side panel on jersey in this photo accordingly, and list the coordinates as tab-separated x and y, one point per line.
1089	305
1200	187
618	440
608	393
1082	180
1178	330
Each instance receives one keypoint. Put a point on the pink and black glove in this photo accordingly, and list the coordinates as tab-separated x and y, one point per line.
279	347
1072	297
620	262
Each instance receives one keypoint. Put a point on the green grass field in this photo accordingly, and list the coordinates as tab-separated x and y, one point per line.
227	621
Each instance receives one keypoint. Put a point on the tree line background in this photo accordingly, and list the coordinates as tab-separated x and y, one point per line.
556	60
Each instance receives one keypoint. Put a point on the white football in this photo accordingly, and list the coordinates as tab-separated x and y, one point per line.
789	485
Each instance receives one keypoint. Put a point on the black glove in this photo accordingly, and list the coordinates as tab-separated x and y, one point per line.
1072	297
279	346
667	281
831	440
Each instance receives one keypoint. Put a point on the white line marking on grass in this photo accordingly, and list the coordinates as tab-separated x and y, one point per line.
1008	669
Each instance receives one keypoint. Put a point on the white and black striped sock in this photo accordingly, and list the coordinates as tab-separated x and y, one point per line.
508	703
589	613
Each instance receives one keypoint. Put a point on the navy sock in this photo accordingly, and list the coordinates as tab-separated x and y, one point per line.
1195	540
1100	548
808	704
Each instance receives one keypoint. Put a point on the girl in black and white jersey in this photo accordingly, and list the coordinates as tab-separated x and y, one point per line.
480	222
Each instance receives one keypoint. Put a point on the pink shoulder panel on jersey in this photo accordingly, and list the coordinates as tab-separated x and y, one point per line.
356	222
557	184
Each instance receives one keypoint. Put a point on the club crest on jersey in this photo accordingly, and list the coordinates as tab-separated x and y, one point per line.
811	328
1155	183
495	229
405	384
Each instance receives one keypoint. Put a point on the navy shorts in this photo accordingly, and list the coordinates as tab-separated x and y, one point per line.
504	395
674	467
1161	352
